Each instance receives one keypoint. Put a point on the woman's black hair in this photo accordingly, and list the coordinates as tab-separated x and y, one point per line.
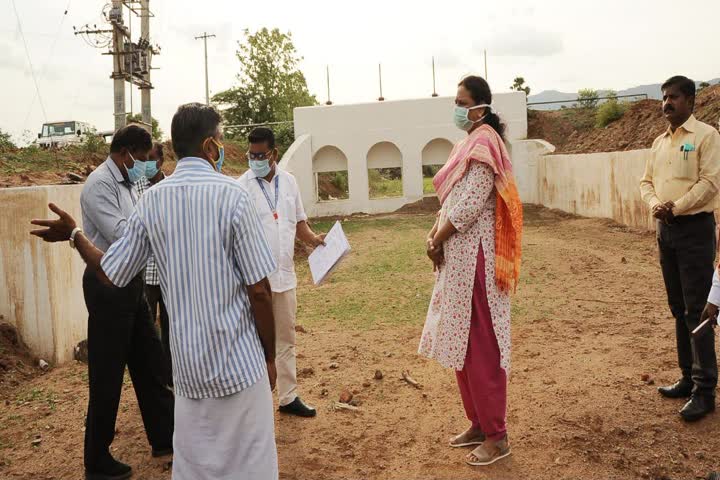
480	93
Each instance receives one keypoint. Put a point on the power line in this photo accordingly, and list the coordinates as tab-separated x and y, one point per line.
27	52
49	60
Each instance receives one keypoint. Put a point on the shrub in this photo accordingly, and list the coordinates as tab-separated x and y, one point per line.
6	143
587	98
609	112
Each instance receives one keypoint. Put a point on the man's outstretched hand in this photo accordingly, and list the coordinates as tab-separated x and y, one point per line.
56	230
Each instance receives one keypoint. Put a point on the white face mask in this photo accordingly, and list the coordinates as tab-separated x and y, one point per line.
461	116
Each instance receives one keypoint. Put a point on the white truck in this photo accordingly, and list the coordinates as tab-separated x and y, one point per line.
62	134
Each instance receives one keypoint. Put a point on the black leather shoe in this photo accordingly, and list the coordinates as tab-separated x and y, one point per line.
680	389
297	407
697	408
162	452
113	470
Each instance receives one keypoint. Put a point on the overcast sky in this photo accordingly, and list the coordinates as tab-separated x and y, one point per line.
555	44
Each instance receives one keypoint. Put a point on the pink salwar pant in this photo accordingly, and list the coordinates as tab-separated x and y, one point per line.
482	382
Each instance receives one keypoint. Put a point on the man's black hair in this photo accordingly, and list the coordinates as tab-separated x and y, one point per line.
684	84
261	135
132	137
191	125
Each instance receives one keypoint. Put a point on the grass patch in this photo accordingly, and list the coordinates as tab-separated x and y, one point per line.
385	182
428	186
387	279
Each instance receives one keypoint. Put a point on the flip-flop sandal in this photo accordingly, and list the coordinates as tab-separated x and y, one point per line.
480	457
462	441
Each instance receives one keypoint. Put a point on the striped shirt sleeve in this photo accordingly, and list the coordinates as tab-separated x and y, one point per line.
128	256
251	250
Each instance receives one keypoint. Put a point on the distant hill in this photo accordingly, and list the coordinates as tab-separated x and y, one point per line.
652	92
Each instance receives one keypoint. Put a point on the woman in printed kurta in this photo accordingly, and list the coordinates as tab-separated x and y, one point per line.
475	248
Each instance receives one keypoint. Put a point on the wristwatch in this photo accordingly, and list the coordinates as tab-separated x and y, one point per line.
75	231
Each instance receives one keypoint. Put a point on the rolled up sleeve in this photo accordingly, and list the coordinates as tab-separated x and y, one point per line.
128	256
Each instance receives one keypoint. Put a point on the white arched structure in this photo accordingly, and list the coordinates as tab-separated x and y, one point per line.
417	132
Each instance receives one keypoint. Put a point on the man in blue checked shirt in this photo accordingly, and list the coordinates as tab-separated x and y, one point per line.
153	175
213	261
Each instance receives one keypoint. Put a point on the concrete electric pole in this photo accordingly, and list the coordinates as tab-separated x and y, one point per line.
132	62
205	37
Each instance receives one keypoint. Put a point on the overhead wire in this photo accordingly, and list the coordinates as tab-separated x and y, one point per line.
49	60
27	53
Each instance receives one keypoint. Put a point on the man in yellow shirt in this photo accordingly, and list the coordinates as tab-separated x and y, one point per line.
680	185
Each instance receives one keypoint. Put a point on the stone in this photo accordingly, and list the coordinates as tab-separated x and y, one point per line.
345	396
334	366
378	375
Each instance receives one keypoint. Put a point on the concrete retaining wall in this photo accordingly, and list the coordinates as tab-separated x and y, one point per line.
40	283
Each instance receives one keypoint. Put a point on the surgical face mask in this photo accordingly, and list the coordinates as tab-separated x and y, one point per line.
137	171
151	168
261	168
460	116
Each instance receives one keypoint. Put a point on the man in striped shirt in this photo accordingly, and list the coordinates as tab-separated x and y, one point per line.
213	260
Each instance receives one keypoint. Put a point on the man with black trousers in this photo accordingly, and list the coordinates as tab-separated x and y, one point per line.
120	328
680	185
153	176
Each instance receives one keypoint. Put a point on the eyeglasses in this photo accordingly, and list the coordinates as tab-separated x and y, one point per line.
259	156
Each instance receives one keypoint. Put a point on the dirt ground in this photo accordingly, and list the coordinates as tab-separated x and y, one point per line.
572	130
589	321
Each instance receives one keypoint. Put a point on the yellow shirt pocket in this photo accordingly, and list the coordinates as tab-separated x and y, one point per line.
685	165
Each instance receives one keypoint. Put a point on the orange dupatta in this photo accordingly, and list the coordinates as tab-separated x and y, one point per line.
486	146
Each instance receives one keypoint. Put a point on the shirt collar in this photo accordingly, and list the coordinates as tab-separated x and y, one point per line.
689	126
193	163
116	173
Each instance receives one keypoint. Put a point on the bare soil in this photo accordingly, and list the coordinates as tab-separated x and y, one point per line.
590	322
572	130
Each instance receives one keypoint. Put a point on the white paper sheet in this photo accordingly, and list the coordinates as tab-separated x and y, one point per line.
325	258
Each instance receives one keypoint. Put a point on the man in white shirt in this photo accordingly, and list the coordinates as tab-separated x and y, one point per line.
279	206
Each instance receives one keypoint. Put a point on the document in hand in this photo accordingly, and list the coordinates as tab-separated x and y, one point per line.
325	258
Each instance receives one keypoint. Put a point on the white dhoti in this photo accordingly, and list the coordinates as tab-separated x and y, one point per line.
227	438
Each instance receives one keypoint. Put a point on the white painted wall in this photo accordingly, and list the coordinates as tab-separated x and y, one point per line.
603	185
371	135
40	283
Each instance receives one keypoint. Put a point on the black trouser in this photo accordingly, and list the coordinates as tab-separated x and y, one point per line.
155	300
121	332
687	253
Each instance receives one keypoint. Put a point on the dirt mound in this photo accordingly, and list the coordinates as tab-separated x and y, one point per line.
572	130
16	360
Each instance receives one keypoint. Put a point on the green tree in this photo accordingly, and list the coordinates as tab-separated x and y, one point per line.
702	86
587	98
6	143
157	133
270	85
519	85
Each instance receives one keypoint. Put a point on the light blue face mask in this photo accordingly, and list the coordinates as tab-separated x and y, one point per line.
460	116
151	168
221	159
261	168
137	171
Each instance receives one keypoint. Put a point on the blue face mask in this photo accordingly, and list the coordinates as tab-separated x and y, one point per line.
221	159
137	171
151	168
460	116
261	168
